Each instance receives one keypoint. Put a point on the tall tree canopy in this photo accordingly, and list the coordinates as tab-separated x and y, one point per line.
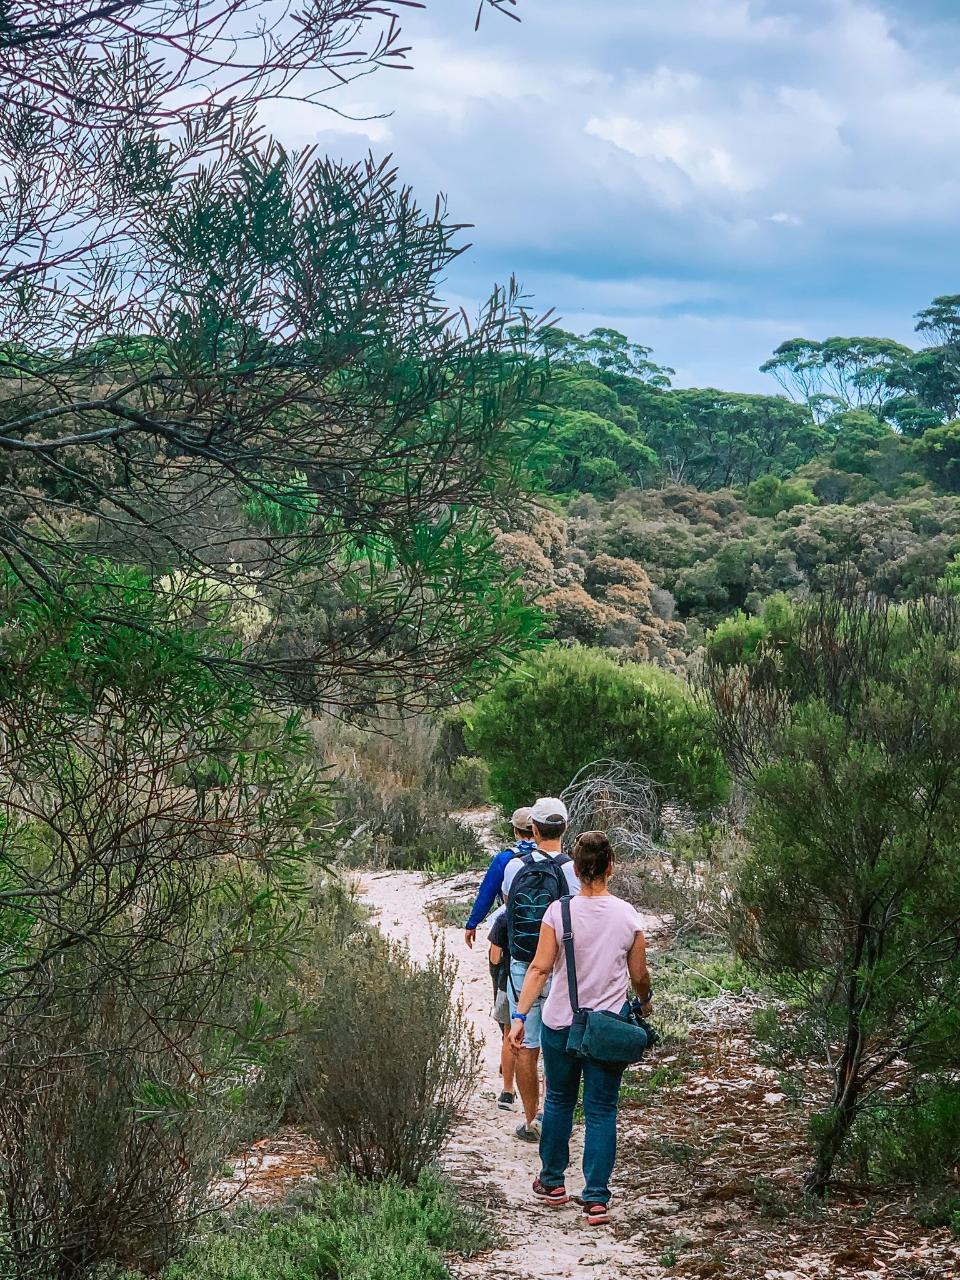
717	438
839	373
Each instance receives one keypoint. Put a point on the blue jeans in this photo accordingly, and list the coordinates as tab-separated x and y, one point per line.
601	1093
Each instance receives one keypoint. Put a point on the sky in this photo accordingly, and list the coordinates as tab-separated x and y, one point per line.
710	177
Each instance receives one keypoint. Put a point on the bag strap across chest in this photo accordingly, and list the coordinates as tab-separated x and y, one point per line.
568	952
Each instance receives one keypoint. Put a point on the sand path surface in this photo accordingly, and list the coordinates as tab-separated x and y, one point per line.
536	1242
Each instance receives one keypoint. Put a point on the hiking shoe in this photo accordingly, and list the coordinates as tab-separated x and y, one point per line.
528	1132
549	1195
505	1101
595	1214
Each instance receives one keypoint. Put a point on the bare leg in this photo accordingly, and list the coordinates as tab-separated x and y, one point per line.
507	1061
528	1082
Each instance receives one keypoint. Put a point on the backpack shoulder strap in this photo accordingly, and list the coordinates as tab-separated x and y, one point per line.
568	952
526	860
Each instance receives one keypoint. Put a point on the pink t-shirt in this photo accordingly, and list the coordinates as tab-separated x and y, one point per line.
603	932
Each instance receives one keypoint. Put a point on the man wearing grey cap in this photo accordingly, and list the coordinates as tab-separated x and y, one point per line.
530	883
491	888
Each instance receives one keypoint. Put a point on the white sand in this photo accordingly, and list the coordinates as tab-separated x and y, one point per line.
538	1242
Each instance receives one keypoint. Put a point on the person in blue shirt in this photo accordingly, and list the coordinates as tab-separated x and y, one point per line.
490	889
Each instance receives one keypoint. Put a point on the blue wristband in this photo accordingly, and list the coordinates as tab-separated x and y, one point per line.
522	1017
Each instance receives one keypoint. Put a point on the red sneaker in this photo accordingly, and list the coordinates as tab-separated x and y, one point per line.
595	1214
550	1195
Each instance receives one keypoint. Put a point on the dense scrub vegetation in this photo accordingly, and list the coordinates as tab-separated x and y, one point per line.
251	466
295	563
666	510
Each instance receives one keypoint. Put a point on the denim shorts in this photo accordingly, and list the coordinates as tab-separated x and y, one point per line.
534	1022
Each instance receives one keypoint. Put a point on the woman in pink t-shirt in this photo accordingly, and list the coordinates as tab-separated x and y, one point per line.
609	950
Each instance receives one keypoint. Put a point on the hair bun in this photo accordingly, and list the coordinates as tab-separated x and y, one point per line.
592	856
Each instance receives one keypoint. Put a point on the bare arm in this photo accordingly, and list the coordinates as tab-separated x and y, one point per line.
496	953
637	967
541	967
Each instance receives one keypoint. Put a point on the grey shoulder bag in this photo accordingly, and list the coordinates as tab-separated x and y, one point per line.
609	1039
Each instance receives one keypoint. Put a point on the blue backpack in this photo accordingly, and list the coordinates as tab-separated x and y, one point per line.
537	883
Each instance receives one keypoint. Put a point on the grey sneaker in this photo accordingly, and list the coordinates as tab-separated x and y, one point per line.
506	1101
528	1132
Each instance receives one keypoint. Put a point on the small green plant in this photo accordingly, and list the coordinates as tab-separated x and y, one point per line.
769	1199
684	1154
444	863
640	1086
942	1211
671	1254
341	1230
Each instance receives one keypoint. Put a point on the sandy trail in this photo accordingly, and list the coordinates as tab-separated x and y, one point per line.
537	1242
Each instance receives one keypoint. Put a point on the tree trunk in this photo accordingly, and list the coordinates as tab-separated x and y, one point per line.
846	1091
839	1119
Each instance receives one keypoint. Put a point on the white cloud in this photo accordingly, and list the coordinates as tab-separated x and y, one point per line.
756	154
675	142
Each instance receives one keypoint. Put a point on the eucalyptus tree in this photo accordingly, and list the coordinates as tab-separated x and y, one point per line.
839	373
930	380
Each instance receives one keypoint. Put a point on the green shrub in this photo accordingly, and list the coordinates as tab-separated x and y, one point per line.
467	784
913	1139
567	707
383	1060
410	832
341	1230
848	745
738	639
442	845
769	495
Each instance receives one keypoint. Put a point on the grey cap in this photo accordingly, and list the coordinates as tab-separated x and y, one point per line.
521	820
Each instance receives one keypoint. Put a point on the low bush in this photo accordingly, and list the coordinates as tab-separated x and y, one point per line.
466	785
545	721
442	846
914	1138
107	1147
341	1230
383	1061
412	831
